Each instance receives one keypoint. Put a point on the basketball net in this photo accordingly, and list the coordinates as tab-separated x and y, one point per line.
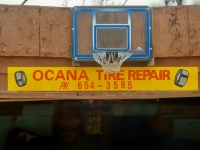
111	61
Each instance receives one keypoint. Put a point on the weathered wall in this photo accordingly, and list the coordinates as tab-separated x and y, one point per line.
35	31
176	31
43	36
46	31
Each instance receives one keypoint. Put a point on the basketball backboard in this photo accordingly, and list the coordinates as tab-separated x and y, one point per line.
103	28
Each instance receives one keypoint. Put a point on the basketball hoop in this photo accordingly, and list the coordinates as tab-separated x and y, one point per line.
111	61
111	35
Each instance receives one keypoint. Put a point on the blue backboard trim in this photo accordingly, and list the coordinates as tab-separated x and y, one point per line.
127	25
107	26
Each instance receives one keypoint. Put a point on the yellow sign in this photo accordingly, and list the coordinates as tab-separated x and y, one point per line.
93	79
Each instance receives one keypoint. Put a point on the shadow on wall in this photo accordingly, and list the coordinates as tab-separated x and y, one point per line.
181	144
36	118
132	132
21	139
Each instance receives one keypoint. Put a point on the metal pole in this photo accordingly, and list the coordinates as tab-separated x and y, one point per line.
24	2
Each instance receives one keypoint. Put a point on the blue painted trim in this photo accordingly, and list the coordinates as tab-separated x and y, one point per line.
113	26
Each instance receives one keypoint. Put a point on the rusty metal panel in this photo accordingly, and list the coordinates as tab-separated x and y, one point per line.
194	29
19	31
55	31
170	29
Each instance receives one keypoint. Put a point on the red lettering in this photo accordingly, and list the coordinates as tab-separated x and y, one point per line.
120	74
139	75
64	85
99	74
146	73
166	74
160	74
46	74
153	75
105	76
111	75
73	76
131	75
40	77
83	75
60	75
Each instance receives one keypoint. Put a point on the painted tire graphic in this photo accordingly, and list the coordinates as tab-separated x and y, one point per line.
181	78
20	78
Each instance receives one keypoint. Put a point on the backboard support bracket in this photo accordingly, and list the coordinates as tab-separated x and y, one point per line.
75	63
151	62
